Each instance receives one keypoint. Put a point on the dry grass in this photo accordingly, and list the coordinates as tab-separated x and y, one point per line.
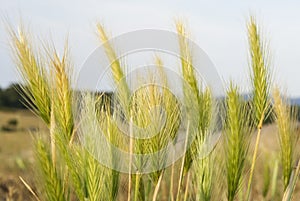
17	155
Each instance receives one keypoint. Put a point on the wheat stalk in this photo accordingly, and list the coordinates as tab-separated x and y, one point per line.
68	167
261	81
288	194
31	68
123	92
199	112
62	92
286	123
237	133
53	184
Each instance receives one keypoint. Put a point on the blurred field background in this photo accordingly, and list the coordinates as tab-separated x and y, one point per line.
17	127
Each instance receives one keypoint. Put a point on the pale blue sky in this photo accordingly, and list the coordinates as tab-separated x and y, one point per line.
217	26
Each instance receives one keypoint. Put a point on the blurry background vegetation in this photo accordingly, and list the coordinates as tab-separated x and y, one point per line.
10	98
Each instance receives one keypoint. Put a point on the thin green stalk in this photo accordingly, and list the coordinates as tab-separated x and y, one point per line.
158	186
183	162
266	177
172	180
137	187
130	159
52	135
180	178
148	189
274	179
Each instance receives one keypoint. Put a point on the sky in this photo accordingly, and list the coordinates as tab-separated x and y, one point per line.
218	27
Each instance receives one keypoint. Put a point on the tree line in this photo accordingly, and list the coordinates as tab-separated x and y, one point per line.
11	98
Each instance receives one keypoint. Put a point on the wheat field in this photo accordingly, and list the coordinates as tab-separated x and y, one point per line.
253	160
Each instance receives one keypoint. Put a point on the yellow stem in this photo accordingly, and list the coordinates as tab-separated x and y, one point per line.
182	164
172	181
130	159
157	186
137	186
52	134
259	127
187	186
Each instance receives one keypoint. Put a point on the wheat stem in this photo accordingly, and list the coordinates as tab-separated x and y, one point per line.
137	186
172	180
29	188
261	81
183	161
288	194
187	186
52	135
158	186
254	157
130	159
